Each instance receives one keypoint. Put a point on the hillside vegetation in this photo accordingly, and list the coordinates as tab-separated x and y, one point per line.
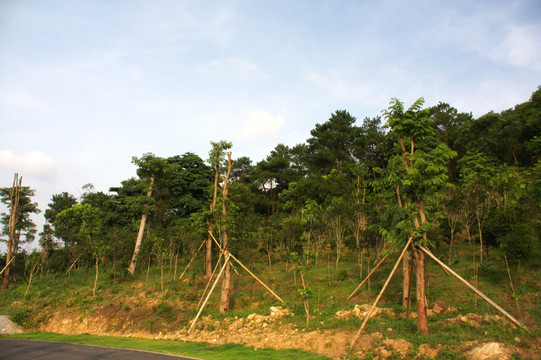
311	220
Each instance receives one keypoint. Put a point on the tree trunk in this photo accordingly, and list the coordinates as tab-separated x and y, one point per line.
406	282
96	278
139	240
14	195
226	285
422	320
208	254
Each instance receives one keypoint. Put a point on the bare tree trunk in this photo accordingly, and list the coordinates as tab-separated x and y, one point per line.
406	281
478	215
14	195
226	285
96	278
422	320
139	239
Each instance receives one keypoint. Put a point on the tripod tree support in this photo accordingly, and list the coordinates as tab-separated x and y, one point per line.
249	272
210	293
473	288
380	293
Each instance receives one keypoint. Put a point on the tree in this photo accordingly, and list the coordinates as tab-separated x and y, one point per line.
150	168
226	286
215	160
17	222
189	184
334	143
416	176
476	171
58	203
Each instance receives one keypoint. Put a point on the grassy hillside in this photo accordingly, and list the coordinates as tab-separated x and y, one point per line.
137	307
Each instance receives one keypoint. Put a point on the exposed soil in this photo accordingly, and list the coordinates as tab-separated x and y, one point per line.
259	331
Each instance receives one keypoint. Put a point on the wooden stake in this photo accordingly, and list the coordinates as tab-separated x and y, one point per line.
511	283
367	277
257	279
210	278
249	272
5	267
210	293
500	309
72	265
187	266
380	294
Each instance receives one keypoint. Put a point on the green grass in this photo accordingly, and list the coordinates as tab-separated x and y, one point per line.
173	347
175	307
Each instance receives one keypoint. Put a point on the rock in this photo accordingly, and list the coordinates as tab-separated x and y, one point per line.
489	351
344	314
439	307
517	340
8	327
399	345
426	352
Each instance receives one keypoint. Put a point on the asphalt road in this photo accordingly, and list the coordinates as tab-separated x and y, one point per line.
14	349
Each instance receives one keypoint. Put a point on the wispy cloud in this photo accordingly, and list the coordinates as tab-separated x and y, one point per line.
232	67
31	163
259	124
521	46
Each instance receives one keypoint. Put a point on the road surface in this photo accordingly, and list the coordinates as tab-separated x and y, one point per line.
15	349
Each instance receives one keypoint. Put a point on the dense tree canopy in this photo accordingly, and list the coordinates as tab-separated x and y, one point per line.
350	188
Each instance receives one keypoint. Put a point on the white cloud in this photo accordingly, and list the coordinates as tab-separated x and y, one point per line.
521	46
233	67
31	163
261	125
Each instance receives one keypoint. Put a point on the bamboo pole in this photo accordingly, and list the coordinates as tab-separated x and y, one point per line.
380	293
210	279
367	277
511	283
5	267
73	264
249	272
257	279
194	255
499	308
210	293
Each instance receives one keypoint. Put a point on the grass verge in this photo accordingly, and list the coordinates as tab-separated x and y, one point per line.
172	347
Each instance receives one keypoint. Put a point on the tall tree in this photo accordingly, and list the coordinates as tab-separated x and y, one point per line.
226	286
18	223
58	203
216	162
150	167
334	143
416	175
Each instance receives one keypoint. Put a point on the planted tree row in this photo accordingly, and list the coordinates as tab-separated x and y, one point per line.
435	175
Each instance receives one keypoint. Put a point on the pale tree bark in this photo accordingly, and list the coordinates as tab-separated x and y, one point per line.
14	196
141	231
210	225
226	285
422	319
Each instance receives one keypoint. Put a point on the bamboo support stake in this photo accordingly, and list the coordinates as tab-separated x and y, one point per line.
511	283
210	279
73	264
257	279
367	277
380	294
499	308
5	267
194	255
210	293
251	273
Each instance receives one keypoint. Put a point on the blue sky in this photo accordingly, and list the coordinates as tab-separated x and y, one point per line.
86	85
